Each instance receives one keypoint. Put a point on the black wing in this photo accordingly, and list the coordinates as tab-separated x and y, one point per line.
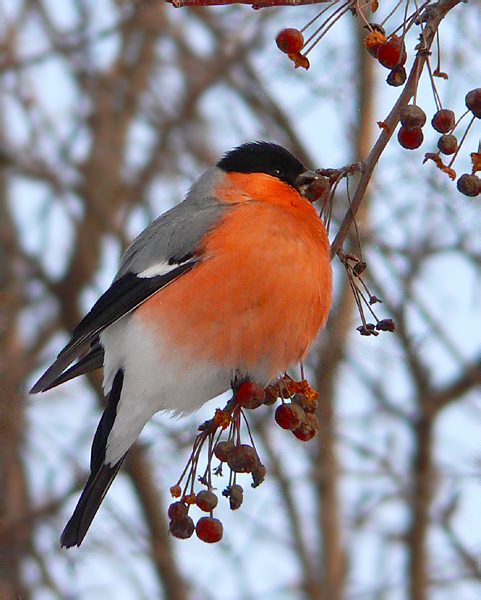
123	296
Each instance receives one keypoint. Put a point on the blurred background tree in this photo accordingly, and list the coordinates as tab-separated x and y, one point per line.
108	112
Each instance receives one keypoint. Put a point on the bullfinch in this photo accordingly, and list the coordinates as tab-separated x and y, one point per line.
231	285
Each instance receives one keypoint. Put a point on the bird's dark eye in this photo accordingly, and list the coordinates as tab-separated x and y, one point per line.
277	172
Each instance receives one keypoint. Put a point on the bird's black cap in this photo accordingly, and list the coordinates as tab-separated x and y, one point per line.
263	157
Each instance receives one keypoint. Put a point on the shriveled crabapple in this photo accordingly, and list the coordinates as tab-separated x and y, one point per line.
289	416
235	493
317	189
412	117
444	120
473	102
308	428
223	449
182	528
258	474
448	143
243	459
177	511
250	395
209	530
307	404
469	185
206	500
397	76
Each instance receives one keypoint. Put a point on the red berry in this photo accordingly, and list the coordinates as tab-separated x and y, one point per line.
473	102
250	395
447	143
289	416
412	117
182	528
410	139
209	530
290	40
469	185
177	511
243	459
223	449
392	53
444	120
206	500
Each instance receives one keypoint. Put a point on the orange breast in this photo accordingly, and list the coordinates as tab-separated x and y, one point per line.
261	293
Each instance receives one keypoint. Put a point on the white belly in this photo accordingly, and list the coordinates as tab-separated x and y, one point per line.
156	377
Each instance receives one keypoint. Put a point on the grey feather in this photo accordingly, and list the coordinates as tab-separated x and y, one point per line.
176	233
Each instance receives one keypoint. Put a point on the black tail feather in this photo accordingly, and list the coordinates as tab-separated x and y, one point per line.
88	505
101	475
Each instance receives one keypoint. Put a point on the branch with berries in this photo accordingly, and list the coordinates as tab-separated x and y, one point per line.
295	413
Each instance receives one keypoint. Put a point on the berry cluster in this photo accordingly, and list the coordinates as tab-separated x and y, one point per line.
298	415
354	269
390	52
238	457
444	122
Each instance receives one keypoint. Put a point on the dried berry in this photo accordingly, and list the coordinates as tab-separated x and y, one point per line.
469	185
271	396
392	53
410	139
444	120
250	395
307	404
258	474
374	39
176	491
206	500
308	428
289	416
385	325
235	493
290	40
299	60
177	511
359	267
316	189
368	329
182	528
397	76
448	143
209	530
412	117
243	459
222	450
473	102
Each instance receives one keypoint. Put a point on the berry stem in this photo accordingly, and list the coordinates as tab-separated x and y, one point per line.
434	14
461	141
327	24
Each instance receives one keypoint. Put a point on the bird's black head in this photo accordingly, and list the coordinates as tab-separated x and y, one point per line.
264	157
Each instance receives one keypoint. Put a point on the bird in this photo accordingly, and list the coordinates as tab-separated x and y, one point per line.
231	285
